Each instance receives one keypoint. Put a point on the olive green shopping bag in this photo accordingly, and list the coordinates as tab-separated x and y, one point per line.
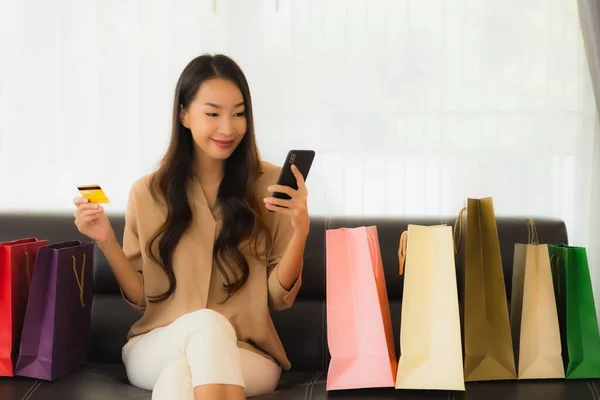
487	337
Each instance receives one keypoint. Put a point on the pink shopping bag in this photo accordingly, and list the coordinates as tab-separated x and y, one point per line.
359	324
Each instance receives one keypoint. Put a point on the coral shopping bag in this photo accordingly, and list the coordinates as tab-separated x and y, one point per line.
359	323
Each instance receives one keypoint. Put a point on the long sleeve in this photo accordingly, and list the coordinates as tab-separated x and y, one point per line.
279	297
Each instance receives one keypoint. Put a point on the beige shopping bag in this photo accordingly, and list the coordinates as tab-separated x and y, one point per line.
534	317
430	337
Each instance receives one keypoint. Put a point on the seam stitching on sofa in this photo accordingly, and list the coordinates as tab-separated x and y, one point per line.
596	388
307	390
32	390
593	385
312	385
308	386
35	389
591	390
29	390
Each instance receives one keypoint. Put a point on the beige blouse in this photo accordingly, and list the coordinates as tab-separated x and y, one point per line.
199	282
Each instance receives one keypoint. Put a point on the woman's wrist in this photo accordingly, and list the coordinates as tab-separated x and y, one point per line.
108	243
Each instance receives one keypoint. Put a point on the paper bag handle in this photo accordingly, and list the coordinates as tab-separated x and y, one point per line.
532	235
402	251
458	228
80	278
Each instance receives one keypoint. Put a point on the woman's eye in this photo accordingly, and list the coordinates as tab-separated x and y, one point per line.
240	114
212	114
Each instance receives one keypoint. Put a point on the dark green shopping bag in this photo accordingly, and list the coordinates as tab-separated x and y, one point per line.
576	311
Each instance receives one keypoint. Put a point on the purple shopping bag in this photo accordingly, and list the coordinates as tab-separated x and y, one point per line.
56	330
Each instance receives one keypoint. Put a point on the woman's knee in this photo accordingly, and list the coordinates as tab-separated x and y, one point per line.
208	322
214	358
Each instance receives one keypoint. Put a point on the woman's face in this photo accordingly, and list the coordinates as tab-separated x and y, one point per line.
216	117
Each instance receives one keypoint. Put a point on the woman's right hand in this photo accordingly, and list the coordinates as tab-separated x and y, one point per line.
91	220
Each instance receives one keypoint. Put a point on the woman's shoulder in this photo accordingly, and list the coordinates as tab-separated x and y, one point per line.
141	196
143	210
141	186
268	176
269	172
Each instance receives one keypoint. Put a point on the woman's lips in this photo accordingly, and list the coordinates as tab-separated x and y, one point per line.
224	144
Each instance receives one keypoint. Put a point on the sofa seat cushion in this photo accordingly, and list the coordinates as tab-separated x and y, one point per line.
93	382
109	381
495	390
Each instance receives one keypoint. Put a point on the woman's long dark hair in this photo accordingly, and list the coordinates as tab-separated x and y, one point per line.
240	211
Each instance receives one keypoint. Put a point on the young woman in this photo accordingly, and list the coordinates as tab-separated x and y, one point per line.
202	256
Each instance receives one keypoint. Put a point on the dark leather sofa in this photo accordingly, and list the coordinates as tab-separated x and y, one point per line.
302	328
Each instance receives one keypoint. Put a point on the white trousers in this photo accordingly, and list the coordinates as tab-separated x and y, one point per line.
198	348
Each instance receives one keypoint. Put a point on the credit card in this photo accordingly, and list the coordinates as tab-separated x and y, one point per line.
93	193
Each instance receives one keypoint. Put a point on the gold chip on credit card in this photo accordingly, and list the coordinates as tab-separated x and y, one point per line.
93	193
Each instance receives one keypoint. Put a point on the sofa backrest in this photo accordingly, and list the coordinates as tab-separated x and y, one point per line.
302	328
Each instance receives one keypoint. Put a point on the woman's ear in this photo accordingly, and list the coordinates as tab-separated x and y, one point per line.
183	116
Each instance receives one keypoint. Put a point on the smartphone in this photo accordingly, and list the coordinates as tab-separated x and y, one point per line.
303	160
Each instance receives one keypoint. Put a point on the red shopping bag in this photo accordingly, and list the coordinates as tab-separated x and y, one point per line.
17	259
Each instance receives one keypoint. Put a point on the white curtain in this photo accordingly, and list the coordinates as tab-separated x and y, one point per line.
589	18
593	235
412	106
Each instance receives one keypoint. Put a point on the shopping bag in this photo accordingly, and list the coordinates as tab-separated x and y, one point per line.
57	321
17	260
430	336
359	324
486	327
534	318
576	311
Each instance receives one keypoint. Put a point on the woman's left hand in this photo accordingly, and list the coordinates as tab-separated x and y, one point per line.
296	207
